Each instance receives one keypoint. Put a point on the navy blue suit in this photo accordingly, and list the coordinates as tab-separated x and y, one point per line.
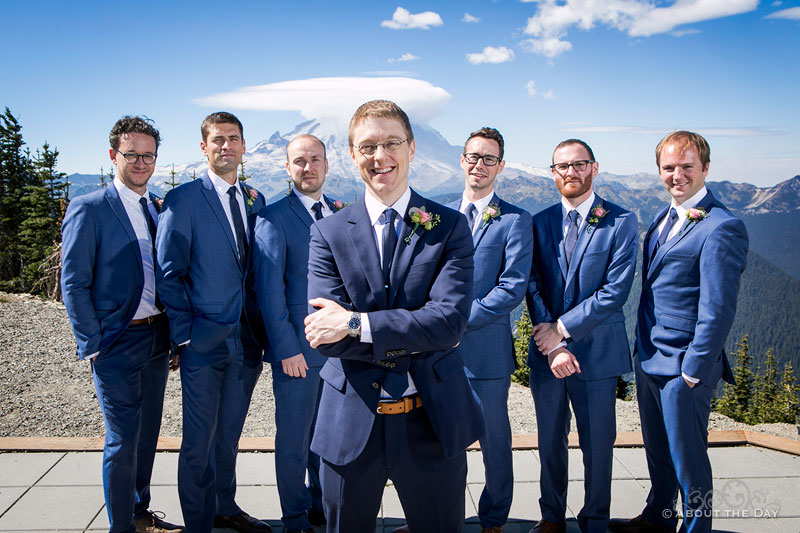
687	306
280	265
205	289
414	326
503	249
102	281
588	298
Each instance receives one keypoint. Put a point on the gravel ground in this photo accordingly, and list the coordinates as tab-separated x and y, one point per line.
45	391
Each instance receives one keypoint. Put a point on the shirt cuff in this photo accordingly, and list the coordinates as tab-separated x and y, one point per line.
184	343
366	332
561	344
690	379
95	354
563	329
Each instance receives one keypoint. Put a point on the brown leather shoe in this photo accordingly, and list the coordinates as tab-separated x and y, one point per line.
401	529
154	522
546	526
243	523
636	525
495	529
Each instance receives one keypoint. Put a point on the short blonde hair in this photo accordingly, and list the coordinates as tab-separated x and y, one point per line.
380	109
684	140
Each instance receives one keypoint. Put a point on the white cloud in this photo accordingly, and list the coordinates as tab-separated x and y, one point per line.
639	130
402	19
793	13
405	57
549	27
531	88
334	97
549	95
491	54
681	33
470	19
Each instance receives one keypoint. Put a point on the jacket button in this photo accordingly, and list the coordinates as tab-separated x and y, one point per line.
376	385
567	301
391	365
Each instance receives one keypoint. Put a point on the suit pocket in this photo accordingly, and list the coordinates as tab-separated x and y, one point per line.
676	322
333	376
106	305
211	308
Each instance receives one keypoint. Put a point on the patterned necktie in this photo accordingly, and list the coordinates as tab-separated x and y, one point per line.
317	208
662	237
572	235
389	238
238	225
472	211
151	226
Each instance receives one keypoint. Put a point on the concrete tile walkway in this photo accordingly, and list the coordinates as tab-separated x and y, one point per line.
756	490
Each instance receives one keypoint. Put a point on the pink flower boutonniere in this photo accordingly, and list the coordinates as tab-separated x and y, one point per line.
251	195
696	214
595	214
339	205
158	202
491	211
420	217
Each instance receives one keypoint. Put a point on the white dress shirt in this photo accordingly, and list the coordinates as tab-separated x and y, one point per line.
222	186
309	202
480	205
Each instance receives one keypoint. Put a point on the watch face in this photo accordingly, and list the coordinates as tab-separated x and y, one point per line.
354	322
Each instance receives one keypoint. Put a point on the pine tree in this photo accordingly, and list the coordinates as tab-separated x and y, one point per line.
735	400
172	181
769	410
242	176
522	333
102	178
788	404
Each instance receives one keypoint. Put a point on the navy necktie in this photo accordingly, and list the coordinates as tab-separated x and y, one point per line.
151	227
471	212
238	225
572	235
662	237
389	238
317	208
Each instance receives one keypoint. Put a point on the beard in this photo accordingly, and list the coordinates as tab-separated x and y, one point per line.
572	192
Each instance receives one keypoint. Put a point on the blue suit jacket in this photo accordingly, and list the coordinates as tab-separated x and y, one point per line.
503	248
199	278
414	327
589	295
101	269
280	267
689	294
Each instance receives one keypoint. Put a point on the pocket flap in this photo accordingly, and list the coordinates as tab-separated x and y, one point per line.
676	322
106	305
333	376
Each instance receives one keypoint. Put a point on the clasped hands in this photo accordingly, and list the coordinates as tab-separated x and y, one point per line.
562	362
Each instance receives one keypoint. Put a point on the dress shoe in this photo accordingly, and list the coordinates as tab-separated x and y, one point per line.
154	522
636	525
546	526
401	529
495	529
242	522
316	517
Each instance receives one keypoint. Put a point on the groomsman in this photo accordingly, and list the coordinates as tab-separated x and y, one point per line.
108	283
280	264
390	278
502	237
694	255
584	261
203	260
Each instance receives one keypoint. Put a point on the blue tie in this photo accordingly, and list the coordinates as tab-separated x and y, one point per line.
317	208
151	227
238	226
389	242
572	235
662	237
471	212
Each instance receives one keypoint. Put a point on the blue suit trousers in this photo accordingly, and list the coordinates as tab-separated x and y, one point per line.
217	387
296	401
675	432
593	402
495	500
130	377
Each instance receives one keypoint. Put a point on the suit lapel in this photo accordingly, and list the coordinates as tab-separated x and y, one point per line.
211	196
299	209
362	237
483	226
585	234
557	232
331	206
646	263
112	196
404	253
686	228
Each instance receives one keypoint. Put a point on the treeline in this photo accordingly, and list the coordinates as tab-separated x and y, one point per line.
33	200
763	393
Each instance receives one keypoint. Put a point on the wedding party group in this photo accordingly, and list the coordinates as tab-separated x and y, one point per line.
387	326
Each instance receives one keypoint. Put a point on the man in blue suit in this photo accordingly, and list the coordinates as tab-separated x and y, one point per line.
584	259
694	255
205	284
502	237
108	283
390	278
280	265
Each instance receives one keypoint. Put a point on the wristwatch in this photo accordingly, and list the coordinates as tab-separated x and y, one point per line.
354	325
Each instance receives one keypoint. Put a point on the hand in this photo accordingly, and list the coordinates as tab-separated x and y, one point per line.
328	324
563	363
689	383
295	366
546	335
174	362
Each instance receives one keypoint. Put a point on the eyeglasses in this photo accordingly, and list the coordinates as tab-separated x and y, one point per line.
130	158
488	160
579	166
371	148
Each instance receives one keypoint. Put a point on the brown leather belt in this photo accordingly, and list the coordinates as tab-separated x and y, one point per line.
147	320
403	405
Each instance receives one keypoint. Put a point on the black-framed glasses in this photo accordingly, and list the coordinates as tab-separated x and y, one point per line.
579	166
130	158
370	148
488	160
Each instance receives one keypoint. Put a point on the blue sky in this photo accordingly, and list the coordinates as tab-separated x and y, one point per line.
617	74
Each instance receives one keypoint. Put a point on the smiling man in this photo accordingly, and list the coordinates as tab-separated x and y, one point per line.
204	282
390	278
694	255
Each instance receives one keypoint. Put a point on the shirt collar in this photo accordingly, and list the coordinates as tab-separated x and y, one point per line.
128	195
375	207
480	205
307	201
583	208
220	184
690	203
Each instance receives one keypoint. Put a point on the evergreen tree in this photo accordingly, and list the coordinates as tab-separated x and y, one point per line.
172	181
735	400
788	404
768	403
194	174
102	178
242	176
522	332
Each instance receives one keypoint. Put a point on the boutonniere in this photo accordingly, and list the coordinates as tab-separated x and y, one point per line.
420	217
157	202
339	205
595	214
696	214
251	195
491	211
